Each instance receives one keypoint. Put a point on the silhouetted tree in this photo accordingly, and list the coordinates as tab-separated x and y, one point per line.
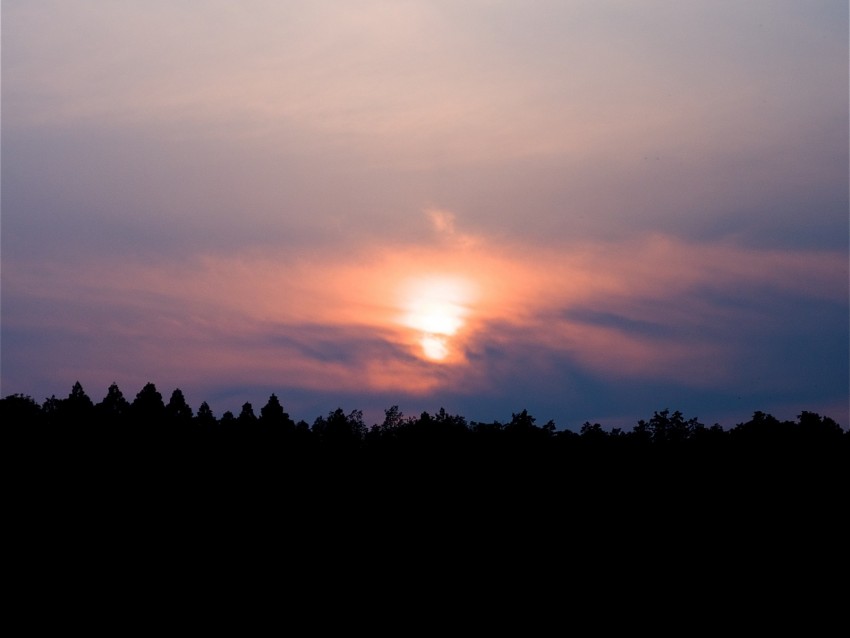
641	434
431	435
51	410
450	424
592	432
148	409
386	433
522	421
205	417
522	430
664	428
340	431
762	426
113	409
78	408
177	411
303	435
393	418
813	427
20	411
246	417
273	416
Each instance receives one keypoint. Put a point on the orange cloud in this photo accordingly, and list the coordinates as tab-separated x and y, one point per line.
407	317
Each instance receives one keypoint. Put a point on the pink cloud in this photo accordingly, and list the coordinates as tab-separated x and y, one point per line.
217	317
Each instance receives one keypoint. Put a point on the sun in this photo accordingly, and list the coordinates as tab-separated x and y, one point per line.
437	309
434	347
435	316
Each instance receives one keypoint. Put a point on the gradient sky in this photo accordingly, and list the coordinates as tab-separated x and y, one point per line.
591	210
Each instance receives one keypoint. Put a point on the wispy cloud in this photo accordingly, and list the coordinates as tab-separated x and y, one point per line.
643	308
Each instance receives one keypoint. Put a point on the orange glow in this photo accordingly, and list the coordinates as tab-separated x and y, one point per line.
436	317
437	308
407	318
434	347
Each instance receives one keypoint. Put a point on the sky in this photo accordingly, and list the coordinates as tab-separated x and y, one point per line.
589	210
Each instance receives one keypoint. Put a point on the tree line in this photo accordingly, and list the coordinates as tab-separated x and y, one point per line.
148	416
74	457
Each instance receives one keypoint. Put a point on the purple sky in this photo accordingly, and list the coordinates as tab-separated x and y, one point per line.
589	210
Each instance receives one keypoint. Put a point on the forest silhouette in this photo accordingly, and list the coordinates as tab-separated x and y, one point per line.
148	416
139	480
667	448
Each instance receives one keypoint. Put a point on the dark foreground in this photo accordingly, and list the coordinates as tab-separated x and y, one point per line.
669	514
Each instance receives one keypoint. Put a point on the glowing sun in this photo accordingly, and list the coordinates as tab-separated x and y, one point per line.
437	308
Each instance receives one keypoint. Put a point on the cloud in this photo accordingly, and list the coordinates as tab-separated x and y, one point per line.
442	220
645	308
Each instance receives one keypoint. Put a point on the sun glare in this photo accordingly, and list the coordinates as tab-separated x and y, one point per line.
436	317
437	309
434	347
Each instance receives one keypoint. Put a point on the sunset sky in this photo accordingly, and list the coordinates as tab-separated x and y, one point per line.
591	210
